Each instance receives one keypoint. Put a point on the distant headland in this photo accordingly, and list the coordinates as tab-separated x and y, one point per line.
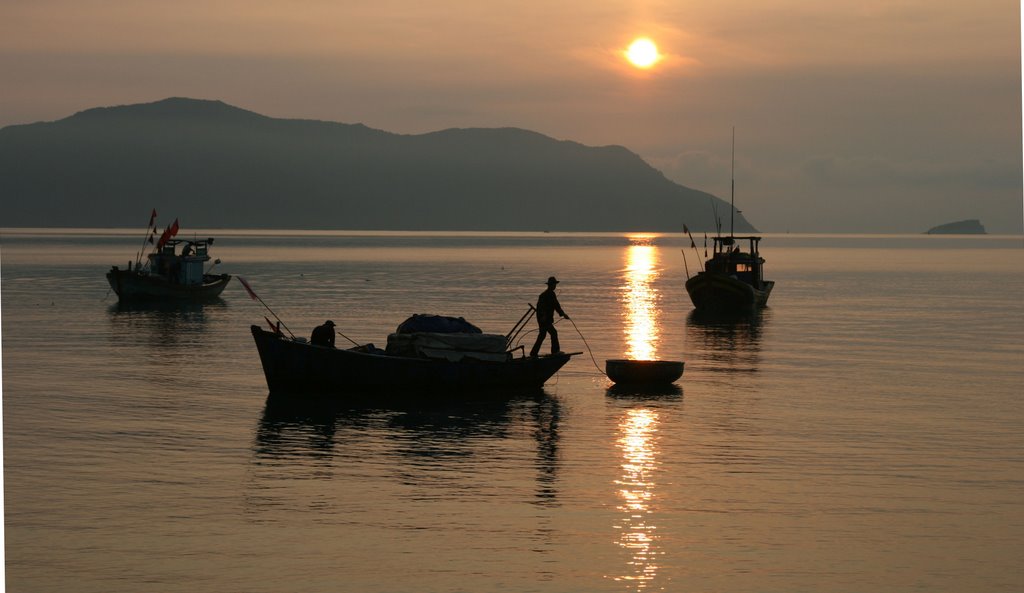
217	166
962	227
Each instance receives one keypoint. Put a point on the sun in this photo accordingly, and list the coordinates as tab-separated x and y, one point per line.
643	53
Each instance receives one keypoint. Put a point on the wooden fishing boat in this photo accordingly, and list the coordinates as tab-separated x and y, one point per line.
732	280
170	274
643	372
173	272
293	365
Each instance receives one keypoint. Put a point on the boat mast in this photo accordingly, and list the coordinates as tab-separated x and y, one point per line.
732	190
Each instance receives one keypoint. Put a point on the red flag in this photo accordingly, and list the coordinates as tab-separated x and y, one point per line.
686	230
274	328
164	237
152	217
248	288
170	231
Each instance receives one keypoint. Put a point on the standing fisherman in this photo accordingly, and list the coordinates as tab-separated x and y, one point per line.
547	304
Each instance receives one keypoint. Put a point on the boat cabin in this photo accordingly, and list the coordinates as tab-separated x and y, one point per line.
729	259
184	265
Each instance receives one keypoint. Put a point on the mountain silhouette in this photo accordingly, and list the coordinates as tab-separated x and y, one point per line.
971	226
217	166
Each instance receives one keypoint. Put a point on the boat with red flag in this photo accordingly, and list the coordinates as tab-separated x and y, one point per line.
174	270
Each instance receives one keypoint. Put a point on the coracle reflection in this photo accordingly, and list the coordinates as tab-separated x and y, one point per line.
637	442
645	393
640	299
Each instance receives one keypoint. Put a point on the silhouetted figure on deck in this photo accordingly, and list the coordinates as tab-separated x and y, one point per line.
547	304
323	335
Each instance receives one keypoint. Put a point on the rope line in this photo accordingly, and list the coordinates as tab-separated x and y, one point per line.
596	366
557	321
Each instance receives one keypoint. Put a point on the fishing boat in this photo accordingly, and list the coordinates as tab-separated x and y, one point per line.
414	361
174	271
732	280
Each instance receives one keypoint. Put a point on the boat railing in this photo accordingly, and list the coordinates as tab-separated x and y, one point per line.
513	335
729	246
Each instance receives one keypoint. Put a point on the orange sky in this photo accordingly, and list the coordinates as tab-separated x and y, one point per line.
872	115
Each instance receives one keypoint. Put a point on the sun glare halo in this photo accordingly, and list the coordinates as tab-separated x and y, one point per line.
643	53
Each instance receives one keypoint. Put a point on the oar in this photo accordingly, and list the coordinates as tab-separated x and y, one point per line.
347	338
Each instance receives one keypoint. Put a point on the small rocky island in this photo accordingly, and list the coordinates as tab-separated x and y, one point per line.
963	227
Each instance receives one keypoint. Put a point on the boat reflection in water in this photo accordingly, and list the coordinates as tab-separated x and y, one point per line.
638	443
403	439
191	309
166	325
726	343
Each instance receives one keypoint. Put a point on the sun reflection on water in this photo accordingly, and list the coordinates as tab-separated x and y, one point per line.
638	534
640	299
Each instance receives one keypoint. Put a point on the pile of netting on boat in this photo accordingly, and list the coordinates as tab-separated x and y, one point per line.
447	338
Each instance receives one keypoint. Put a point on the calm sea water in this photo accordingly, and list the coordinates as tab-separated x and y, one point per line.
865	433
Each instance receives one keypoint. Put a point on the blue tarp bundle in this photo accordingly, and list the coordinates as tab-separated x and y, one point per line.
438	324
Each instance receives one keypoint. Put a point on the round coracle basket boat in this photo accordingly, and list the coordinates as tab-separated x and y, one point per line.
643	372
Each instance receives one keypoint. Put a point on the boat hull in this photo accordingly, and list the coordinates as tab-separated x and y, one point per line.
643	372
301	368
720	293
131	285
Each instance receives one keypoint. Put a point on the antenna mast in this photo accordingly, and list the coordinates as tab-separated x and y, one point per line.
732	191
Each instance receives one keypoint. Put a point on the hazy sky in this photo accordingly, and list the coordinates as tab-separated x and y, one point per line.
850	115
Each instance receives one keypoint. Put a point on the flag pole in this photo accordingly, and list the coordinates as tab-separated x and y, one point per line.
256	297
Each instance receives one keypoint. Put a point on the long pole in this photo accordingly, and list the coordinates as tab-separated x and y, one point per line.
138	258
256	297
693	244
347	338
